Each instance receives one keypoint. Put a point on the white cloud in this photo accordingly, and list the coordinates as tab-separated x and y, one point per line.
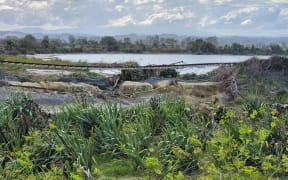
159	14
123	21
119	8
205	21
191	16
279	1
38	4
272	9
203	1
141	2
217	2
284	12
220	2
157	7
170	15
234	14
246	22
5	7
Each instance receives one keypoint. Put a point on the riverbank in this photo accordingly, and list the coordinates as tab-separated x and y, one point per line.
232	124
58	87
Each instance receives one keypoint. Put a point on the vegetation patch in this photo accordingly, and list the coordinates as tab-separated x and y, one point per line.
163	138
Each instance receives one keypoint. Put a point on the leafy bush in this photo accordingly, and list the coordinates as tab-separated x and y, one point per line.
169	73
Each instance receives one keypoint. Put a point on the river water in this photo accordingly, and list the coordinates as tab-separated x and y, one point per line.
152	59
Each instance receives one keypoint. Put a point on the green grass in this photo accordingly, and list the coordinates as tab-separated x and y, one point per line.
26	59
162	138
112	167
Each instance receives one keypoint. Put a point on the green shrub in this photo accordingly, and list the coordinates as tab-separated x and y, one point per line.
158	139
169	73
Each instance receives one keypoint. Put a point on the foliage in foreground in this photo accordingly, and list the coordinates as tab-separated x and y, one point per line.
160	139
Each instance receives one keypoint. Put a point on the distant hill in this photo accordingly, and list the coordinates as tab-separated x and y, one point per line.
252	40
4	34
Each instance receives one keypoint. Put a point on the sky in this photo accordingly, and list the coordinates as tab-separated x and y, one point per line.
119	17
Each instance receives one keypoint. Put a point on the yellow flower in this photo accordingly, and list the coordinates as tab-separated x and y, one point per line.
58	148
262	110
274	112
275	118
180	176
158	171
151	150
254	114
249	169
262	135
273	124
197	150
75	176
194	141
35	133
266	166
241	120
52	126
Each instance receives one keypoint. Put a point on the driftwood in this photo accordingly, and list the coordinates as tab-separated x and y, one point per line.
116	81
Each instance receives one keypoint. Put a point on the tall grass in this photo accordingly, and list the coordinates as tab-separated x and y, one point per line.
160	139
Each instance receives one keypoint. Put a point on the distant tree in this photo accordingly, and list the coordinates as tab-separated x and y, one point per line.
155	42
93	46
127	45
208	48
140	46
197	46
109	43
213	40
237	48
29	44
45	42
10	44
71	40
57	46
276	49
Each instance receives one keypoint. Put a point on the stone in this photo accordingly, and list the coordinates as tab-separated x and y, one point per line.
14	83
3	83
203	89
32	85
163	84
101	82
80	87
58	86
130	86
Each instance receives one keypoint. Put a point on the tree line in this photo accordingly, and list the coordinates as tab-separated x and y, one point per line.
152	44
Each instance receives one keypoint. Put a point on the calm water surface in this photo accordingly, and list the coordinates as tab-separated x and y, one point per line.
149	59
